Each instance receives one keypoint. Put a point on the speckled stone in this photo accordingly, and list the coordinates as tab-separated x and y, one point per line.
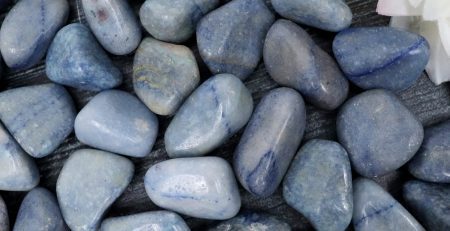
230	39
118	122
381	57
148	221
164	75
88	184
28	30
76	59
4	219
270	141
174	20
251	221
202	187
39	117
213	112
293	59
379	132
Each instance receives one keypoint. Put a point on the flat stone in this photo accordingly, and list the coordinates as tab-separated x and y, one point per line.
88	184
230	39
252	221
155	220
381	57
202	187
76	59
270	141
319	185
164	75
379	132
214	112
39	117
118	122
4	219
293	59
28	30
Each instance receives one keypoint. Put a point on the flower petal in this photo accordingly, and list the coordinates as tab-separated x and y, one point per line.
409	23
436	9
415	3
397	8
444	32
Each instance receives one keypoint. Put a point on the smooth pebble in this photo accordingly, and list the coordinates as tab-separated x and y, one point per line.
148	221
4	219
252	221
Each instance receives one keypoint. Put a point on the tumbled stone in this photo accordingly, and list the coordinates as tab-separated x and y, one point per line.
230	39
251	221
294	60
215	111
379	132
202	187
164	75
28	30
76	59
4	219
89	182
381	57
39	117
155	220
270	141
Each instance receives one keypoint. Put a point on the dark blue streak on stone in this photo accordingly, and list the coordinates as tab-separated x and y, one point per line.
4	219
252	221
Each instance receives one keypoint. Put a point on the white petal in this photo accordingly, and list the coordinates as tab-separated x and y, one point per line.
397	8
436	9
415	3
444	32
409	23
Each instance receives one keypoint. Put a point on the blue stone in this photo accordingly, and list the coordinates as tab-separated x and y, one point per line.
293	59
155	220
214	112
202	187
379	132
39	117
164	75
381	57
230	39
39	211
114	24
174	20
76	59
88	184
28	30
252	221
4	219
375	209
319	185
270	141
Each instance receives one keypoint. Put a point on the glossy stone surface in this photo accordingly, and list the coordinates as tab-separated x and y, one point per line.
252	221
39	117
270	141
202	187
155	220
174	20
4	220
215	111
379	132
381	57
118	122
89	182
230	39
114	24
293	59
164	75
76	59
28	30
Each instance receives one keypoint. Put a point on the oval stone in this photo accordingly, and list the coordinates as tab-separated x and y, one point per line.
155	220
4	219
252	221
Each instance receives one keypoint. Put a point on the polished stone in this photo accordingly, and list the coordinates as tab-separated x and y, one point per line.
252	221
270	141
293	59
148	221
230	39
4	219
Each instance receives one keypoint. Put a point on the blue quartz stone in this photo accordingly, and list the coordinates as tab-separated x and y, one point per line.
430	203
88	184
76	59
230	39
293	59
39	117
319	185
379	132
114	23
174	20
252	221
39	211
28	30
375	209
381	57
164	75
270	141
4	219
202	187
214	112
155	220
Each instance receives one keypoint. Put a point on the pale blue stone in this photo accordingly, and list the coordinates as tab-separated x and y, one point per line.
202	187
148	221
118	122
89	182
319	185
215	111
270	141
251	221
4	219
39	117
